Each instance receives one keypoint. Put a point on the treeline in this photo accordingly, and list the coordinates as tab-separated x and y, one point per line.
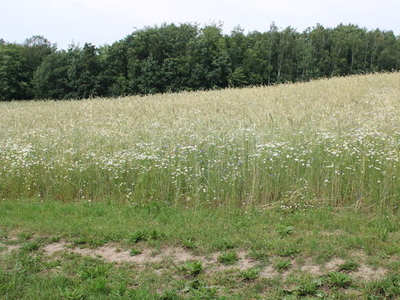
170	58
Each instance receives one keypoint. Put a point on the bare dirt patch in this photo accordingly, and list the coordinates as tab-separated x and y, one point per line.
333	265
50	249
109	253
242	264
270	272
364	271
112	253
367	273
176	255
245	262
311	269
9	248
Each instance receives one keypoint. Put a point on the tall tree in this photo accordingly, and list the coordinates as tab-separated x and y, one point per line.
50	80
210	60
14	77
34	50
84	71
321	42
115	68
305	58
159	58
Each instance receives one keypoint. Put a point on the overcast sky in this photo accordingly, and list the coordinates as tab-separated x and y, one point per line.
106	21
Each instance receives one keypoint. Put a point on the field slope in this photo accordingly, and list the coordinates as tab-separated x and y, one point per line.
281	192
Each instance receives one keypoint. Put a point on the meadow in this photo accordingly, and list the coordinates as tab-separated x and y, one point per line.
331	141
298	179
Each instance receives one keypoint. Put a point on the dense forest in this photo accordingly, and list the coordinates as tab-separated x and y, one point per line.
171	58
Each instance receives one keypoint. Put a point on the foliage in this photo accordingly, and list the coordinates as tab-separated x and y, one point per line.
145	235
228	257
284	230
51	77
192	268
14	81
349	266
386	288
173	58
339	279
135	251
250	274
282	265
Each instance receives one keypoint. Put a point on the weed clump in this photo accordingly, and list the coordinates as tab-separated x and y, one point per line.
339	279
146	235
282	265
192	268
228	257
250	274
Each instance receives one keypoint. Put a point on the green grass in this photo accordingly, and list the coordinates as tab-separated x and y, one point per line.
320	234
282	264
250	274
228	257
135	251
192	268
94	224
349	266
339	279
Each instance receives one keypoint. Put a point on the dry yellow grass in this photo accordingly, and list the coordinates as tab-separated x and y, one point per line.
179	144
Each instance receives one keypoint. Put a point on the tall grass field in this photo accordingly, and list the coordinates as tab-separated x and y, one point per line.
281	192
330	141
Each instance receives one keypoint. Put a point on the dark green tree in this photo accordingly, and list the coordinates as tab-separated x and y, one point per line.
172	58
84	73
320	41
34	50
14	76
257	63
305	58
210	60
237	44
115	68
159	58
50	80
388	58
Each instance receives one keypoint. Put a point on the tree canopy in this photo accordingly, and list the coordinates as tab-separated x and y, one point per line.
172	58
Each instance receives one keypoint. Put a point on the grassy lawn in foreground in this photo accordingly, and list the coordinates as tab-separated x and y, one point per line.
275	252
